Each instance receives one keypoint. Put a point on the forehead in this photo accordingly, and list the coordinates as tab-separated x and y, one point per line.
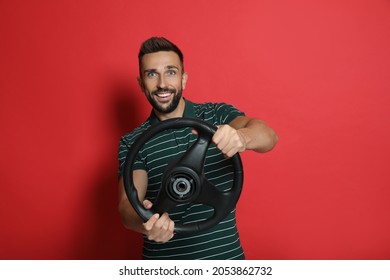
160	60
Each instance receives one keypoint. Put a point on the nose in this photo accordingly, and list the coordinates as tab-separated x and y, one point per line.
161	82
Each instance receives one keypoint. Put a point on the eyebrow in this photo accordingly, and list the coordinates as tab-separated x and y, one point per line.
172	67
168	67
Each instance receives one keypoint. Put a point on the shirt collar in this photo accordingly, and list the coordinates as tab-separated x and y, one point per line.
189	112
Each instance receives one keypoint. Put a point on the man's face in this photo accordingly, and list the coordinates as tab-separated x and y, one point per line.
162	80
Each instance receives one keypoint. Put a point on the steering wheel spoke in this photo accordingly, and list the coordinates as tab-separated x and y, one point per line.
163	203
209	194
195	156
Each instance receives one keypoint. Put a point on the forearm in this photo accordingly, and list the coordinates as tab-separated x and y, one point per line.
130	218
157	228
258	136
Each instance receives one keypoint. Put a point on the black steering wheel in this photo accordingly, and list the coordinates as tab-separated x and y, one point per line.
183	181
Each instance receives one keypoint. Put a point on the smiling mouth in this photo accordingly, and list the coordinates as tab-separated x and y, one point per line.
163	94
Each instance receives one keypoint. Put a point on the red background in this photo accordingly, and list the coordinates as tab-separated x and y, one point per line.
316	71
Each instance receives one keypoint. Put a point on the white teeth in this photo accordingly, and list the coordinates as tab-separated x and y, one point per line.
163	94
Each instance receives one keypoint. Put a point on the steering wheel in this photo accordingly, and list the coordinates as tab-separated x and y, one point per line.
184	181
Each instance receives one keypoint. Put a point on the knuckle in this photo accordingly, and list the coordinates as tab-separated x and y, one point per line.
147	227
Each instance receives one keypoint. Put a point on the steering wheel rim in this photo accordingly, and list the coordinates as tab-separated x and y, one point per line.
183	181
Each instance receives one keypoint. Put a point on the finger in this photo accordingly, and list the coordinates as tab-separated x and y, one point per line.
217	135
222	136
162	230
222	143
172	228
151	222
163	222
147	204
169	227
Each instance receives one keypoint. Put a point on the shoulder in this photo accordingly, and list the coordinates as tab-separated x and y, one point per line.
220	112
210	105
129	138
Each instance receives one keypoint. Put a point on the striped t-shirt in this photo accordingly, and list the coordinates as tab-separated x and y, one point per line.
220	242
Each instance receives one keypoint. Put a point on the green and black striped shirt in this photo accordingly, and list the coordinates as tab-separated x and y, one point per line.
220	242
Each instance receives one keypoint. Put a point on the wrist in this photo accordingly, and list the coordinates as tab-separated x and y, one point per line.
243	139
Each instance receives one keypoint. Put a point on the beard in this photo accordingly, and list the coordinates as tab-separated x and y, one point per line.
171	106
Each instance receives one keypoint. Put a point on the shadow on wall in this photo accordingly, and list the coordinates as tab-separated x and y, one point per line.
103	236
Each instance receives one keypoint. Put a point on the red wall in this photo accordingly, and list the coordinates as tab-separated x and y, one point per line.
316	71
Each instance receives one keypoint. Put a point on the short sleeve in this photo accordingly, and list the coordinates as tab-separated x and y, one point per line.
123	150
226	113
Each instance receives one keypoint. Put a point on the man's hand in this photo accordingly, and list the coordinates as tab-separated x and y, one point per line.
158	229
229	140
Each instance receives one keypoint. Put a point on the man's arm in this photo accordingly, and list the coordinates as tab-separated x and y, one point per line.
159	229
244	133
130	218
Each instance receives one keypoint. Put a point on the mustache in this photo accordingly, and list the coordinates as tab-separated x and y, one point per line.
162	90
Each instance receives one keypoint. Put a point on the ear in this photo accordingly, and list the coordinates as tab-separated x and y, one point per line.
184	79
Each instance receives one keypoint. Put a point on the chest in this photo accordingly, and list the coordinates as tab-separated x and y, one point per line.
170	145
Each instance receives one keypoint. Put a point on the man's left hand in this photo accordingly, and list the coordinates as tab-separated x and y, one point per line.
229	140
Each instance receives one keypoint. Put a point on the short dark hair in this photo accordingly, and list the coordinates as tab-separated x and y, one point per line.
158	44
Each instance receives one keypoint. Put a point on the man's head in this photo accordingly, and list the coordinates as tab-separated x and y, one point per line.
158	44
162	77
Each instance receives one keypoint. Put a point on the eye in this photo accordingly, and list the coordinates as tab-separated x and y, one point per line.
151	75
171	73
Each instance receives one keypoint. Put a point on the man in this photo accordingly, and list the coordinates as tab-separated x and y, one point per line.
162	79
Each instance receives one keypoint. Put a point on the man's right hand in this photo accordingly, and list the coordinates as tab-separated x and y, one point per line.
158	229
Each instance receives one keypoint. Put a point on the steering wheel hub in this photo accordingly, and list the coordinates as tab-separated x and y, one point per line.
181	186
